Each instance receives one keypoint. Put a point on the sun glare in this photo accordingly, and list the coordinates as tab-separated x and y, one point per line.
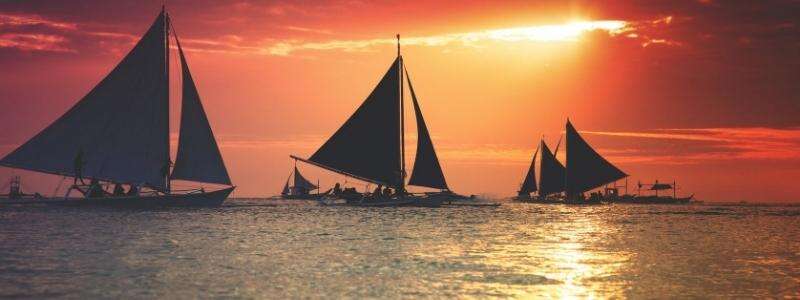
563	32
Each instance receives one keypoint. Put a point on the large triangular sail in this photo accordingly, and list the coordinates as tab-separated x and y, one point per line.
529	184
302	182
198	157
586	169
551	177
368	145
427	170
119	131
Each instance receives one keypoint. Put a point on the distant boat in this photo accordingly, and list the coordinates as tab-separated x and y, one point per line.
119	134
300	188
370	147
586	170
653	197
15	192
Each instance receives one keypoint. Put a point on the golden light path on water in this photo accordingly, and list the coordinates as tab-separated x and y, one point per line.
554	257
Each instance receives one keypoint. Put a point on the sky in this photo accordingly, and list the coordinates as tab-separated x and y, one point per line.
704	93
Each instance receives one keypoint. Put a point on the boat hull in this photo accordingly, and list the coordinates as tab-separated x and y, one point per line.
403	201
204	199
537	200
654	200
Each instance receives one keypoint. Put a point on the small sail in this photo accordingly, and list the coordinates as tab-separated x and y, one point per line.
302	182
368	144
198	157
529	184
660	186
285	190
427	171
586	169
119	131
551	179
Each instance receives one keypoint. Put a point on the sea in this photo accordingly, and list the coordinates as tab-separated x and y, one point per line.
265	249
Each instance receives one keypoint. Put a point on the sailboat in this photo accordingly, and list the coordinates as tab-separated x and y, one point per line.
119	134
586	170
551	181
370	146
300	188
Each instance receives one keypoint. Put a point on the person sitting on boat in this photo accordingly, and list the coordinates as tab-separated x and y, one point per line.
337	189
377	192
119	190
387	192
134	190
95	189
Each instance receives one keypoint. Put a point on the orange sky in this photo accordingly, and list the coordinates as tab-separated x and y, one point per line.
703	92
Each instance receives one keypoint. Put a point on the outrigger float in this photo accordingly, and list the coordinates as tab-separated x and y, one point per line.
119	134
370	147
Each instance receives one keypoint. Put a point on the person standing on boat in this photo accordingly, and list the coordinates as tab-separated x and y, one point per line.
77	165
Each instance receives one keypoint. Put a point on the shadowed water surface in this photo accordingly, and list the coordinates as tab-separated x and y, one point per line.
250	250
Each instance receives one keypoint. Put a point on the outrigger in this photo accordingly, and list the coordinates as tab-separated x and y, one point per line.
119	134
370	147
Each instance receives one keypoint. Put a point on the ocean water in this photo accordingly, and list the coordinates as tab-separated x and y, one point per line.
261	249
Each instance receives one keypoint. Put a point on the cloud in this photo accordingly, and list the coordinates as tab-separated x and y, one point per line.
18	20
34	42
714	144
568	32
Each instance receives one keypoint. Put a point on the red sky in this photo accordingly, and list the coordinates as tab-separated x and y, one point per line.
702	92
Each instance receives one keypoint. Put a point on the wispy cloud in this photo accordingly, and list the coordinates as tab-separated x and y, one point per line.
754	143
34	42
15	20
568	32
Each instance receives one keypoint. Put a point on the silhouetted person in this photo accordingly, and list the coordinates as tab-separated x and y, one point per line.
387	192
95	190
337	189
77	166
119	190
377	191
134	190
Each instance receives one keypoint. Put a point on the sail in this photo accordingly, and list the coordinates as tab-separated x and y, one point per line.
119	131
586	169
529	184
198	157
551	179
285	190
368	144
427	171
302	182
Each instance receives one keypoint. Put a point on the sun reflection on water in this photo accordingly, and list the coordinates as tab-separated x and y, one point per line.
554	256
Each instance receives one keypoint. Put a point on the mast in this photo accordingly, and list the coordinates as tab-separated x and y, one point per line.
166	104
402	122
